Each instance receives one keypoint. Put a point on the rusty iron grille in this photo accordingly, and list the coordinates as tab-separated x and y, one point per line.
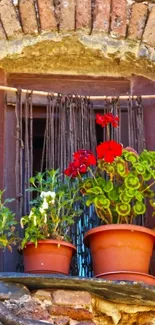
69	126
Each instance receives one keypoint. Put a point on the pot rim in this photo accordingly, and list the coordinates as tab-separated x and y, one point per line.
142	276
116	227
53	241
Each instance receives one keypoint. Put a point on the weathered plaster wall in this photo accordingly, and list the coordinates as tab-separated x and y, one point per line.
98	37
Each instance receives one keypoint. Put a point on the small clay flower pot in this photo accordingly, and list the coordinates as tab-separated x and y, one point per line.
50	256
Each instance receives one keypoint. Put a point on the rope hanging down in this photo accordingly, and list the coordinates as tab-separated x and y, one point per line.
45	93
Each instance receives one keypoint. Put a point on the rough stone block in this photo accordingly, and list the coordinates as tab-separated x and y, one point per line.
71	298
137	21
87	323
33	310
47	15
119	18
74	313
9	19
67	20
2	33
42	295
61	320
102	15
28	16
149	36
83	14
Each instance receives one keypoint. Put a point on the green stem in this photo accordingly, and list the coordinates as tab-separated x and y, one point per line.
100	215
108	133
148	187
93	175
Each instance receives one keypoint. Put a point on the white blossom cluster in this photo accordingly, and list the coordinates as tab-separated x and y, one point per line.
48	198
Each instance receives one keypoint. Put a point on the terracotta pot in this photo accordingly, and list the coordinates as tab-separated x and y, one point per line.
120	248
50	256
128	276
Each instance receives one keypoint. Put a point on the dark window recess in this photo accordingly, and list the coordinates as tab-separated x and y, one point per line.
73	125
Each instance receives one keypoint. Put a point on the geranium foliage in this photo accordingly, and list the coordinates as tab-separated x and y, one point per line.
121	180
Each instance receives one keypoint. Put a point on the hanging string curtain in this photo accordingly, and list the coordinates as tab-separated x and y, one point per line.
70	125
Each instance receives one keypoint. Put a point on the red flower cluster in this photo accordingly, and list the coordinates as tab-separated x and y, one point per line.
106	119
109	150
82	160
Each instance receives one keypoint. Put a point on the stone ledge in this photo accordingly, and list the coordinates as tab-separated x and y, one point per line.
116	291
74	305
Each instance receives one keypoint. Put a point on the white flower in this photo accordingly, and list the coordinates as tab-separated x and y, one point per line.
31	214
45	218
46	194
35	220
21	223
45	204
42	211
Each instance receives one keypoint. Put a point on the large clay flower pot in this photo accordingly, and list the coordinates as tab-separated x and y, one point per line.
50	256
120	248
128	276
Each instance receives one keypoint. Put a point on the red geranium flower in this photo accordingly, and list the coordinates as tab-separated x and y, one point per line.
106	119
109	150
72	170
84	157
82	160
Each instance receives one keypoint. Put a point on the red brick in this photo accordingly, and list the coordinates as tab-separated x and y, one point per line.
102	15
148	36
74	313
83	14
71	298
28	16
47	15
9	18
137	21
119	18
67	20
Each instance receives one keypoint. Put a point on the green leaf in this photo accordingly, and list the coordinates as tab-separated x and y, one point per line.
147	175
101	202
123	209
113	194
132	181
130	192
140	169
121	167
124	198
139	196
139	208
108	186
95	190
89	202
131	157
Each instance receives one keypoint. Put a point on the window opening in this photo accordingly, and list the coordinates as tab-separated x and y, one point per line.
68	124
